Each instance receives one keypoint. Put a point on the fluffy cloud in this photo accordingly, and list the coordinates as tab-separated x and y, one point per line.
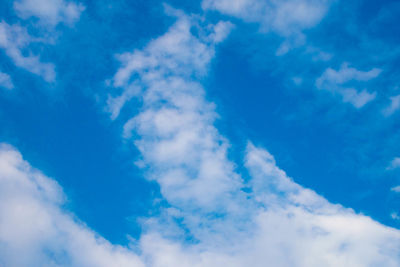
276	221
336	81
187	154
15	40
49	12
210	219
5	81
394	164
287	18
286	225
36	231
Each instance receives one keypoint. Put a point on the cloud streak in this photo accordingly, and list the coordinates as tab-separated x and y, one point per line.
287	18
337	82
15	41
49	12
5	81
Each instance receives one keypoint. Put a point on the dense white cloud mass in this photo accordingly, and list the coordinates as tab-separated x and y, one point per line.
49	12
34	229
288	18
15	40
5	81
337	83
287	225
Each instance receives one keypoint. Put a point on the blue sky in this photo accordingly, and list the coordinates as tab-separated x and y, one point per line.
176	133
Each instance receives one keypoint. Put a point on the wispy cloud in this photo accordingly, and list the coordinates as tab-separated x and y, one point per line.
394	164
49	12
395	216
393	106
15	41
5	81
286	18
396	189
335	81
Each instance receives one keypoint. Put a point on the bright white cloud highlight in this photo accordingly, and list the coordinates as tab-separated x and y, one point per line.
338	81
5	81
15	40
49	12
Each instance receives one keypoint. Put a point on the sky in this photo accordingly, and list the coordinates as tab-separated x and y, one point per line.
199	133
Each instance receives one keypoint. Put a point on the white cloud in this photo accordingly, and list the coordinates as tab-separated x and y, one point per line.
393	107
36	231
49	12
278	222
286	225
394	164
5	81
396	189
395	216
14	40
335	82
185	151
288	18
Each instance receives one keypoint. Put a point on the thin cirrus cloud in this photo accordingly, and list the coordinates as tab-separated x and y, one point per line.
49	12
393	106
15	40
336	82
394	164
5	81
286	18
396	189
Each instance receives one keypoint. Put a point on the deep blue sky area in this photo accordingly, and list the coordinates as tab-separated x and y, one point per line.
340	151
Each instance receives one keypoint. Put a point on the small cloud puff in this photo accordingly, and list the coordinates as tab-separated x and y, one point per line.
5	81
394	164
335	81
49	12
